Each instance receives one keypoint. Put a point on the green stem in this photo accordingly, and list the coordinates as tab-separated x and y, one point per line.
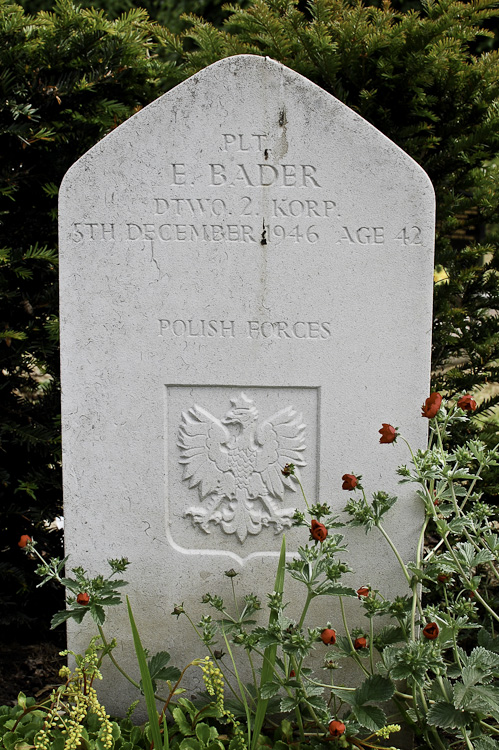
415	596
371	645
347	632
241	687
490	728
110	654
478	596
302	492
219	664
396	553
432	729
402	565
310	596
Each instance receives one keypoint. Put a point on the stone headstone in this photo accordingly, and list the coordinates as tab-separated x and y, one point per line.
246	281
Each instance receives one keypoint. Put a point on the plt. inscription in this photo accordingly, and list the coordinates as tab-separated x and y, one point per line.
236	463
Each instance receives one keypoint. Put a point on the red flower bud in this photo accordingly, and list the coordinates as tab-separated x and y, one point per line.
318	531
431	405
349	482
360	643
388	433
443	577
292	673
336	728
363	591
83	598
431	631
328	637
24	541
467	403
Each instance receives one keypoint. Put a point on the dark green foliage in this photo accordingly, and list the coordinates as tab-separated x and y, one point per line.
67	79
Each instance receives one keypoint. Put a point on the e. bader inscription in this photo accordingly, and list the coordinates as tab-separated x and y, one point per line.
193	217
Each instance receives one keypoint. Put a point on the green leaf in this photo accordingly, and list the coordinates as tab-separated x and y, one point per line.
270	652
184	726
370	717
60	617
488	642
152	712
98	614
485	743
375	688
287	704
446	716
159	671
205	733
269	689
189	743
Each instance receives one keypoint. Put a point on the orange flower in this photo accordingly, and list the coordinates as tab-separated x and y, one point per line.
24	541
360	643
349	482
431	405
328	637
336	728
388	433
318	530
467	403
363	591
431	631
83	598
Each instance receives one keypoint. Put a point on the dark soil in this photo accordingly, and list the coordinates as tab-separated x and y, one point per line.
32	669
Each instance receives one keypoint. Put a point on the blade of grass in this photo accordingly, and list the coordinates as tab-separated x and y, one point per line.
270	653
152	711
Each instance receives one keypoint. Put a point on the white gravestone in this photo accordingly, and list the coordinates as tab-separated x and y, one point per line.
246	281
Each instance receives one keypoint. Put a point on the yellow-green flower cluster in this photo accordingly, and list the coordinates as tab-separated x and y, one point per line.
214	683
42	738
71	703
385	732
106	730
213	680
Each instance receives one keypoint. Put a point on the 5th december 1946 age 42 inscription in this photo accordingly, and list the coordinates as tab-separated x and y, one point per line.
246	276
219	205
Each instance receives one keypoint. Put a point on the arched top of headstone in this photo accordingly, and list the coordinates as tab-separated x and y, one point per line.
290	117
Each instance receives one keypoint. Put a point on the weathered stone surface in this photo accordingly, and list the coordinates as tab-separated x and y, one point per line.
246	280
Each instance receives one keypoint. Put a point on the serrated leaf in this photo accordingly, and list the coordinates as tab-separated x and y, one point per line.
477	698
60	617
183	724
269	689
370	717
317	702
485	743
375	688
158	669
287	704
97	614
446	716
488	642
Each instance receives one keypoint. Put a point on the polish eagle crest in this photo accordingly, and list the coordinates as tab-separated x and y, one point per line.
236	463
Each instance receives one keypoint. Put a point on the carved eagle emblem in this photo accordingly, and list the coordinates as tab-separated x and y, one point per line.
236	464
